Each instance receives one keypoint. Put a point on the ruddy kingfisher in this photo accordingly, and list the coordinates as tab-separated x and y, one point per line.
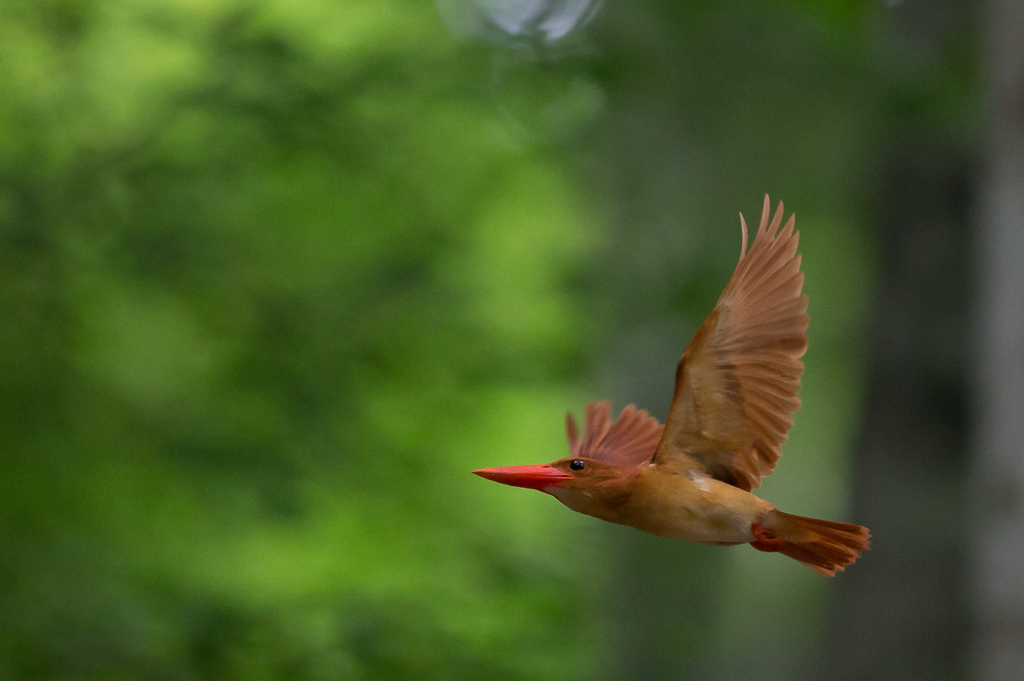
735	393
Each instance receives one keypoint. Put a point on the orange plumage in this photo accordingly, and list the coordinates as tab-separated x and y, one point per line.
735	393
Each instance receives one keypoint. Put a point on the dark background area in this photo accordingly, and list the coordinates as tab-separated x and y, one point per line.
275	276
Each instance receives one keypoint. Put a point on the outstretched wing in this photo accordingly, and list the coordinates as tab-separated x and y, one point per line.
630	441
737	381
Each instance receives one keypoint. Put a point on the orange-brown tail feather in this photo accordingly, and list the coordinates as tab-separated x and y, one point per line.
822	545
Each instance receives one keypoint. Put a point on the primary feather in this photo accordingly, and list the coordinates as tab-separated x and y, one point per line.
630	441
737	382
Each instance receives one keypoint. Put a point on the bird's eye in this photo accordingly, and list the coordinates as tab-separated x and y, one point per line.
576	465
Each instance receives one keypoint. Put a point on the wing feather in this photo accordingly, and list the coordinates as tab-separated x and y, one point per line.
630	441
737	382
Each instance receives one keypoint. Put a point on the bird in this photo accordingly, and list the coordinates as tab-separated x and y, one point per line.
732	407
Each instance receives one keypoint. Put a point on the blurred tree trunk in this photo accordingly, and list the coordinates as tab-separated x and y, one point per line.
900	613
998	475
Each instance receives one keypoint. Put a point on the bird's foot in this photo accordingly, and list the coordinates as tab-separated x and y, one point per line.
765	539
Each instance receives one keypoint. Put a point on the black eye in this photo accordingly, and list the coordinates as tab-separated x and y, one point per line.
576	465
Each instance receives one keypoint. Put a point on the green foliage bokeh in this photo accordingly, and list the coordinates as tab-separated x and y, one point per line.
273	281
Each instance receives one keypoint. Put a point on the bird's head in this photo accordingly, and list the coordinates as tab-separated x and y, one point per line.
585	485
603	467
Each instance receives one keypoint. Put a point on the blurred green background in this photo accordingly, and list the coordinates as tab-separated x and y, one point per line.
275	275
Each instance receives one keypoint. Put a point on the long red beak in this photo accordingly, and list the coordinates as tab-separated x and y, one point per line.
531	477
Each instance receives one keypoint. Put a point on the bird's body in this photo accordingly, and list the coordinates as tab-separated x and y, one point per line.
684	504
735	394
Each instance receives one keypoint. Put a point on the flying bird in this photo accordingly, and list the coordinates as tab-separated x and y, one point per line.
735	393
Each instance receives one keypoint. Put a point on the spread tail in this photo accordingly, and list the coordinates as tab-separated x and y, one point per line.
822	545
